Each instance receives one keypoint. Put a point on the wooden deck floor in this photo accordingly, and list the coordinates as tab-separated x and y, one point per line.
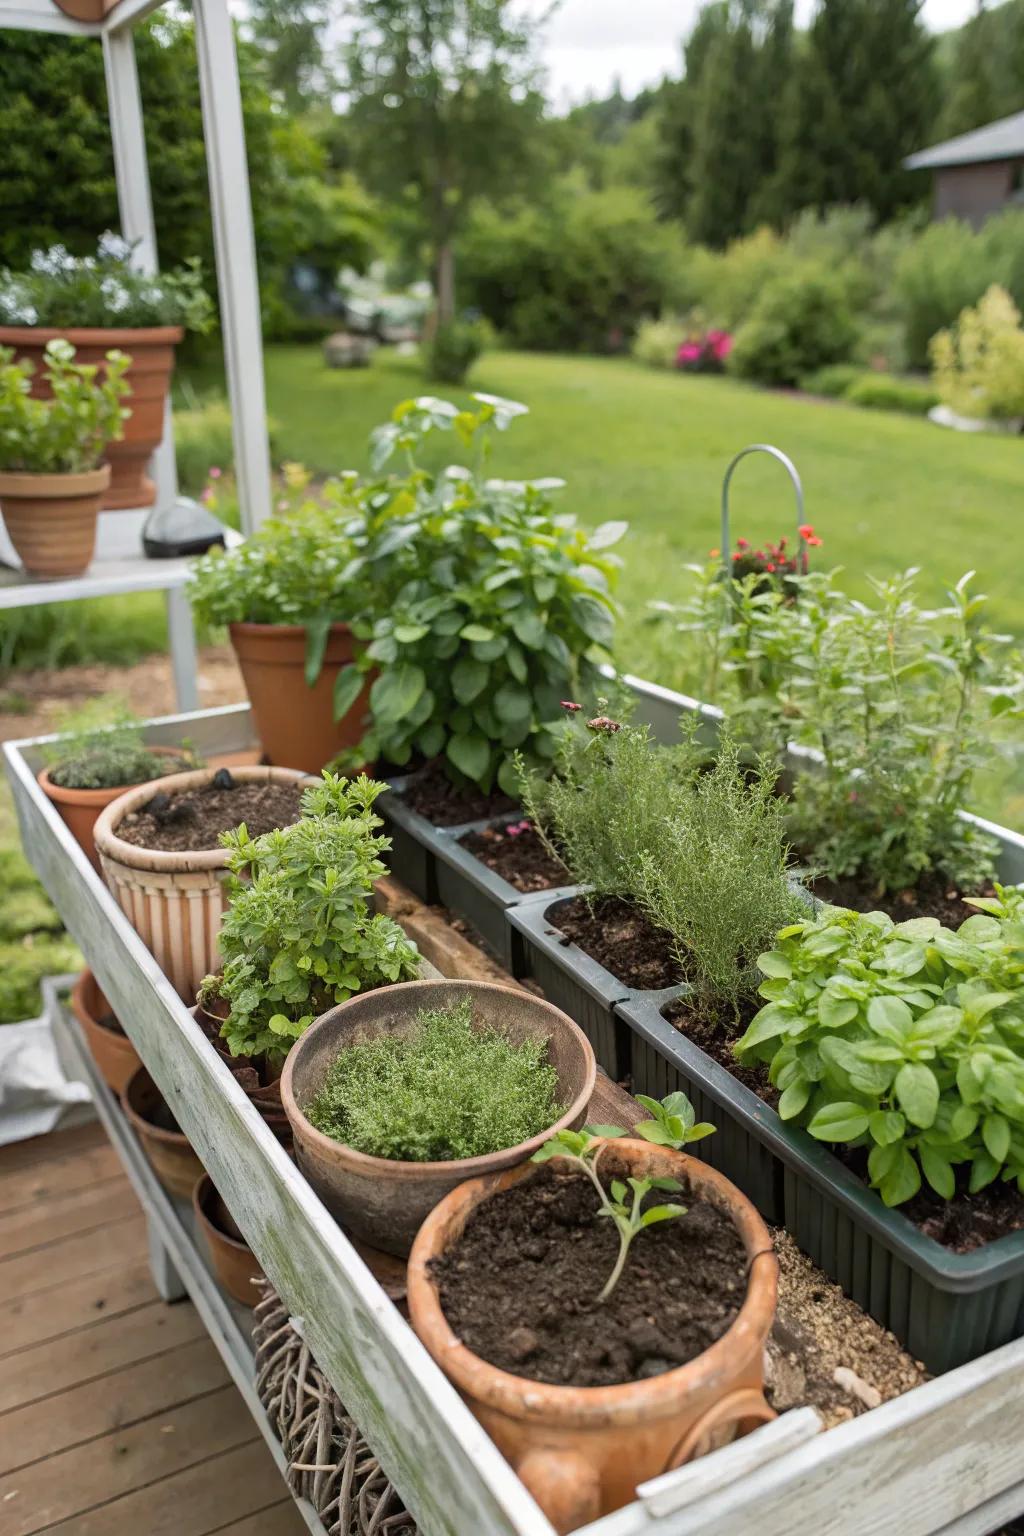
117	1416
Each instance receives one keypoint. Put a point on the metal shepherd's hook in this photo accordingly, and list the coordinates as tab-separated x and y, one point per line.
791	470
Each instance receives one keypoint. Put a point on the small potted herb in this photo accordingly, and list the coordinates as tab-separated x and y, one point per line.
396	1097
602	1312
161	855
99	303
299	935
53	464
93	762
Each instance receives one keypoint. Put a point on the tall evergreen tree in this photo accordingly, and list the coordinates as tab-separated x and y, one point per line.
726	166
973	99
863	96
672	170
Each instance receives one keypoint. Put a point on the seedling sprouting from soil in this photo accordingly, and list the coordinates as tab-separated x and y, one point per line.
671	1125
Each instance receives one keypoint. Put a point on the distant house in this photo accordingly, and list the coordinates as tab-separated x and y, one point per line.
978	173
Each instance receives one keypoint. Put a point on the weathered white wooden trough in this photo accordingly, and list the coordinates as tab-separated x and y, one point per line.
943	1458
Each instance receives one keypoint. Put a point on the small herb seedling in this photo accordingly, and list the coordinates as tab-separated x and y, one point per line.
671	1125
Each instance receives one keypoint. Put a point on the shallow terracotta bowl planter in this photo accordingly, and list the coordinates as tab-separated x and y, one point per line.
234	1262
174	900
296	723
169	1152
582	1451
81	807
114	1054
383	1202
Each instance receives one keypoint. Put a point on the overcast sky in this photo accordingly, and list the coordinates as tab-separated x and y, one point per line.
590	42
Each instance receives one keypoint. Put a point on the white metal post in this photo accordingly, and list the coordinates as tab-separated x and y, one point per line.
235	247
124	103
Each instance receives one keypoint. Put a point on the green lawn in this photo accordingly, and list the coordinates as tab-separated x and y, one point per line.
884	491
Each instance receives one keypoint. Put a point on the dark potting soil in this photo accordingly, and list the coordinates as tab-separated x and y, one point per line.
432	794
617	934
520	1286
934	896
194	819
716	1033
519	857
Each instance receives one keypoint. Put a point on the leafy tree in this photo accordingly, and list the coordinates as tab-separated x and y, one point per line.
863	96
973	99
673	169
444	103
289	33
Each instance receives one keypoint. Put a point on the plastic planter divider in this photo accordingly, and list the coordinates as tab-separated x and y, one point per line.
434	865
946	1308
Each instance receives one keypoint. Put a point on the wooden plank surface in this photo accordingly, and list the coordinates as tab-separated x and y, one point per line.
116	1412
443	1464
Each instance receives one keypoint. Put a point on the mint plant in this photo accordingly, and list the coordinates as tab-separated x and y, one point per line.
671	1125
906	1039
299	934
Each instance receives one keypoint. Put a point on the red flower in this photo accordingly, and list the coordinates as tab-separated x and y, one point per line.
769	566
714	553
806	531
742	544
814	541
573	709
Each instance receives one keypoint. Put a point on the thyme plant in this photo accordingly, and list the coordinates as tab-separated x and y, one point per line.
103	749
299	934
447	1090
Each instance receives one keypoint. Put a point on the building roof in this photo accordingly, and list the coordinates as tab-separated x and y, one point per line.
1002	140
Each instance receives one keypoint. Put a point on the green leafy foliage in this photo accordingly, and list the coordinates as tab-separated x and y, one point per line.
70	431
979	363
299	935
62	290
800	322
493	606
884	392
906	1039
447	1089
671	1125
903	705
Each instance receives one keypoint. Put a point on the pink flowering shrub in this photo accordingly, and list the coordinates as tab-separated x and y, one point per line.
704	353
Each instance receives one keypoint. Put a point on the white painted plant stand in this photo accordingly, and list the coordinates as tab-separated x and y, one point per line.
120	565
944	1458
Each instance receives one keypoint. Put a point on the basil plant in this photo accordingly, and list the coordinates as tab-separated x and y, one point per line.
904	1039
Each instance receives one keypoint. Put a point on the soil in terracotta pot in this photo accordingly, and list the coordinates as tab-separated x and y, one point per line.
432	794
519	857
520	1286
159	1116
108	1021
195	818
617	935
934	896
715	1031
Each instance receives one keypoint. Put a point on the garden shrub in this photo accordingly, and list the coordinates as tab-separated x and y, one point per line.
832	381
906	1040
948	268
299	934
800	322
577	275
883	392
657	342
453	349
445	1091
979	363
727	284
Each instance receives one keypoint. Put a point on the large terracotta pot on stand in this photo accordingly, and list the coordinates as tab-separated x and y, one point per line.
51	519
151	350
582	1451
296	723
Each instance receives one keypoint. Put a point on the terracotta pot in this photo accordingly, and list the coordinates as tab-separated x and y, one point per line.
80	807
51	519
260	1085
581	1451
234	1262
296	723
381	1201
151	350
169	1152
175	900
87	10
114	1054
